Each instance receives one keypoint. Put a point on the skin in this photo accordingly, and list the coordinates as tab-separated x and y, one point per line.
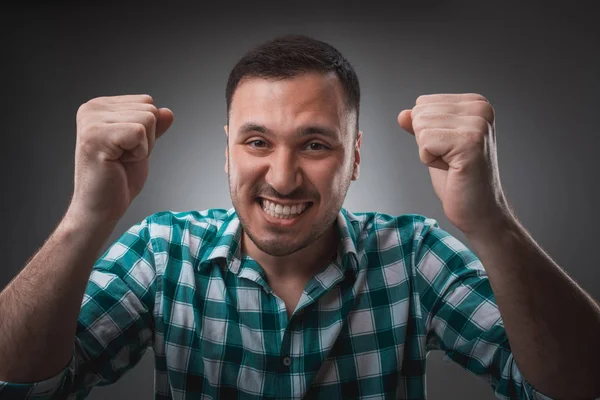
455	134
551	323
290	141
40	306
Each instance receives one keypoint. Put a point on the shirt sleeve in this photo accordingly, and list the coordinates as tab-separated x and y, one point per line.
461	315
115	324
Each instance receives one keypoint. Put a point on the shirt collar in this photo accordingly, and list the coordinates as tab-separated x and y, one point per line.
226	245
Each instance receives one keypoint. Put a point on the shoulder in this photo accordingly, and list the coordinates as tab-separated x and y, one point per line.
415	240
187	227
206	219
383	231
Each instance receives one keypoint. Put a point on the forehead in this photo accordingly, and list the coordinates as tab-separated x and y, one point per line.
308	97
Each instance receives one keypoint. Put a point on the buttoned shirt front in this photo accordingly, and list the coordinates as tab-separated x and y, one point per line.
178	283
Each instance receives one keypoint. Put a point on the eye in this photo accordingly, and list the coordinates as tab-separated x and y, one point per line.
257	144
315	146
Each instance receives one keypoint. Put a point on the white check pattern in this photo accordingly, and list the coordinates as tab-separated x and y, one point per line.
178	283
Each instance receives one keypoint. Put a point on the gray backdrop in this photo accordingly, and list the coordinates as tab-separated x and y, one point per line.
537	66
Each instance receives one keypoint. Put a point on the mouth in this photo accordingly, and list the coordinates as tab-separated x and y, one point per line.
279	211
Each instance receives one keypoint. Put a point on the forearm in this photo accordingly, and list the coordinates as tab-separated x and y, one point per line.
552	325
40	307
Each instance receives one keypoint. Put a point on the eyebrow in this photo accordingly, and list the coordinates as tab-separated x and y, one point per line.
304	131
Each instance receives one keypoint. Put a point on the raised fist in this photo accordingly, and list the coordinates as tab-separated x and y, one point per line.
115	136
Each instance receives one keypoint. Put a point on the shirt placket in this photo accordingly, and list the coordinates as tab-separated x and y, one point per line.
292	382
275	321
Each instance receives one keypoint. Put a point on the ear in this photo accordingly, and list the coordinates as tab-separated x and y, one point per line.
226	150
356	170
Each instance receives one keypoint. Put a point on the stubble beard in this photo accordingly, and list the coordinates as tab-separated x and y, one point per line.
275	247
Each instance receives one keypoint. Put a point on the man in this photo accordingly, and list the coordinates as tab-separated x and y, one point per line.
287	294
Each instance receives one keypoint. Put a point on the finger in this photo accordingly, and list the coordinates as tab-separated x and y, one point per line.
134	112
132	106
156	122
146	118
466	123
435	145
128	137
129	157
473	108
432	161
165	119
143	117
128	98
405	121
449	98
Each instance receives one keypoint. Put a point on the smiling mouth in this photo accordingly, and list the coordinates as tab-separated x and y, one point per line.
281	211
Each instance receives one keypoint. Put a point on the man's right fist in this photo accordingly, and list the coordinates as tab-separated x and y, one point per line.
115	136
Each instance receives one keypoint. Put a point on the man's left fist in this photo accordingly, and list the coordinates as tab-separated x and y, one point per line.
456	137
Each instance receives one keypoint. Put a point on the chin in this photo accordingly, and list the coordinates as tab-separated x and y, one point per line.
276	248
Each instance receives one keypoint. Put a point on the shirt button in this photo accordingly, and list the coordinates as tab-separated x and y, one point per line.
287	361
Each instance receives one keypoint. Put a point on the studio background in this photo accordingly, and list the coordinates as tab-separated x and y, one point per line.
537	66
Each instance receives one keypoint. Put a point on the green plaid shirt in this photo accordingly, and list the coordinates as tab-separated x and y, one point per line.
179	283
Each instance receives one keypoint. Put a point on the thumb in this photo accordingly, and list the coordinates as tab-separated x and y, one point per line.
405	121
164	121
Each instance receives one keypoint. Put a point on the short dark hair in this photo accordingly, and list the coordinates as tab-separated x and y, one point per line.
290	55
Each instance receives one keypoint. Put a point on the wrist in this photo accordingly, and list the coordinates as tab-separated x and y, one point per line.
501	225
77	221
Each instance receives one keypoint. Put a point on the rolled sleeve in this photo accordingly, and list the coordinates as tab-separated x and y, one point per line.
42	390
115	323
461	315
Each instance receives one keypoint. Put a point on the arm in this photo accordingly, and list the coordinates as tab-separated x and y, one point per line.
114	324
40	306
460	313
553	326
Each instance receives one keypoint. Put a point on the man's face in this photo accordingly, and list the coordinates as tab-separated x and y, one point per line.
290	158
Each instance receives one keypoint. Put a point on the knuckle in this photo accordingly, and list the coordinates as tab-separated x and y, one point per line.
97	100
153	109
81	112
482	124
139	130
491	113
88	105
85	147
91	130
82	108
419	121
477	140
477	97
422	98
477	124
485	110
418	109
150	119
89	136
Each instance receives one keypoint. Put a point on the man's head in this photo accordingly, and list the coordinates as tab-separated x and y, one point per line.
293	144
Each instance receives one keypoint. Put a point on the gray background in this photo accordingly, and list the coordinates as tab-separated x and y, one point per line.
537	66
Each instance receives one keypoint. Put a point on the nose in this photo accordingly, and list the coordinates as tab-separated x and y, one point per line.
284	173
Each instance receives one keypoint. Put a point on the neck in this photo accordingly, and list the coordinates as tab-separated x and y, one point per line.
300	265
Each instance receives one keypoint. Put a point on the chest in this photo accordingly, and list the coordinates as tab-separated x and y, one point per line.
245	340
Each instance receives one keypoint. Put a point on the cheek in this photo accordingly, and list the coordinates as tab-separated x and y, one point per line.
328	180
337	181
244	172
341	179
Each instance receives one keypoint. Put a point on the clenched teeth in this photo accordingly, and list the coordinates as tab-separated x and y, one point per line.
281	211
